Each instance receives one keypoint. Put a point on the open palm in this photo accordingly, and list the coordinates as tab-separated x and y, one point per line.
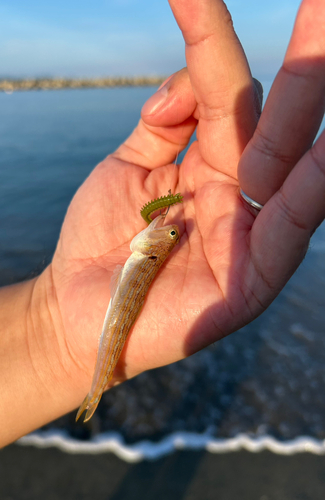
231	263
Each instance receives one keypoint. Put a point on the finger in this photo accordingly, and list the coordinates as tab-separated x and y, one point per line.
179	105
281	232
293	111
166	125
221	81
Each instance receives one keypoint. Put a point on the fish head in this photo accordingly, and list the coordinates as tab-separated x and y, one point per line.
155	239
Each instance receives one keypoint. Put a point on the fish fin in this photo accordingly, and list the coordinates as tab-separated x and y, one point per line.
115	279
89	408
90	412
137	237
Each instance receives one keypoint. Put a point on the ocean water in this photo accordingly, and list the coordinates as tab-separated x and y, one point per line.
267	379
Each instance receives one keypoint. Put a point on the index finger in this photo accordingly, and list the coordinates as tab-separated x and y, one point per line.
221	81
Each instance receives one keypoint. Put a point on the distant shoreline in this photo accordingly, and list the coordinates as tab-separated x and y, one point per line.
11	85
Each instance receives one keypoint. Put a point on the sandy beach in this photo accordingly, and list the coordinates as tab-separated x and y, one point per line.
28	473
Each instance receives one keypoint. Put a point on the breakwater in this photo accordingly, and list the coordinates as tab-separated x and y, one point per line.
13	85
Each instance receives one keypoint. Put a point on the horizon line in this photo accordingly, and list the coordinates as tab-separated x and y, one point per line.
9	85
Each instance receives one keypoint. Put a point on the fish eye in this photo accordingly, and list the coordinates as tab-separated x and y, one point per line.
172	232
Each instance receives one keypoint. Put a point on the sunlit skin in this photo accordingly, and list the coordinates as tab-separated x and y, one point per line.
230	263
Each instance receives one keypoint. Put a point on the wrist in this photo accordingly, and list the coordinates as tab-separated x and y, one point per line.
56	368
37	375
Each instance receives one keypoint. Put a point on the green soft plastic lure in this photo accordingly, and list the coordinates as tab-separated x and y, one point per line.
158	204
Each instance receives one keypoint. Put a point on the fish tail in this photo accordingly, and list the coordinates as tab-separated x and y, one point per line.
87	406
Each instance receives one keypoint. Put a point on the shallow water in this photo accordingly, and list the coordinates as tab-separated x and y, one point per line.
268	378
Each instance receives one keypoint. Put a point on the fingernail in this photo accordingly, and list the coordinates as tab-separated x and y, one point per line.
155	101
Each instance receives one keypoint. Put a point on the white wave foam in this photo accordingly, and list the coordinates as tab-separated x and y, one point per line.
148	450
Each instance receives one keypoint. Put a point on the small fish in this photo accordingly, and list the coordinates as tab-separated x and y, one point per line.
149	248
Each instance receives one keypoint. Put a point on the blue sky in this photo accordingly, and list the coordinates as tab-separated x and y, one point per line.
126	37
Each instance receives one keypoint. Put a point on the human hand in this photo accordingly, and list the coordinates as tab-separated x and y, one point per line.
231	263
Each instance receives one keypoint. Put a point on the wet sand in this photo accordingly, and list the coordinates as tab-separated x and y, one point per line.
28	473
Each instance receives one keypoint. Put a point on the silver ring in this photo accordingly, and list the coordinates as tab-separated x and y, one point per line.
250	202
